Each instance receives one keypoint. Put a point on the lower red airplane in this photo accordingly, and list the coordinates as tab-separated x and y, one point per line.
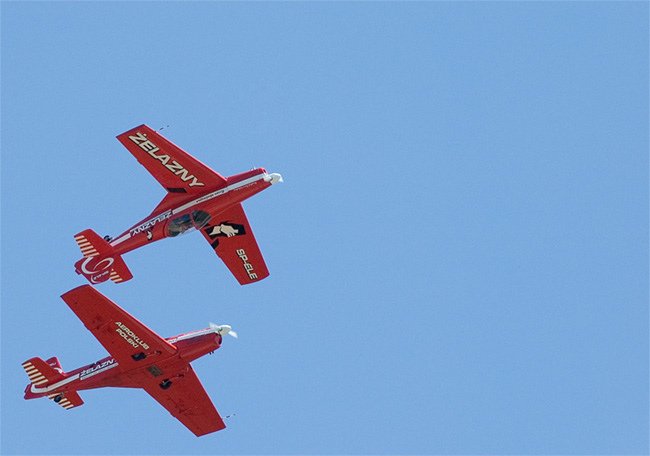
139	358
197	198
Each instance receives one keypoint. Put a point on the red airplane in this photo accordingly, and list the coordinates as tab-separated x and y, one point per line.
139	359
197	198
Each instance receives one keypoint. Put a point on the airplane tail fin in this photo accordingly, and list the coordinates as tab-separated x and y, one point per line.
42	372
92	245
100	262
43	376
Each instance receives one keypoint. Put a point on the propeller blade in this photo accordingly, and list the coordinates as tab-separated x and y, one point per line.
223	330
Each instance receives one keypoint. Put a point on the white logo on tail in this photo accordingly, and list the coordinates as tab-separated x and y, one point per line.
97	271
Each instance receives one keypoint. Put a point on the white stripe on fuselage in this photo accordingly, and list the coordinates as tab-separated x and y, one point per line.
200	200
70	379
191	335
54	386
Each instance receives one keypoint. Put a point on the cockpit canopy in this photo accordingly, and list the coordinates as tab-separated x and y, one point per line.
187	222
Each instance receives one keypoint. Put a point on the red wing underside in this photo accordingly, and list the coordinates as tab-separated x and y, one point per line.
176	170
231	237
121	334
187	401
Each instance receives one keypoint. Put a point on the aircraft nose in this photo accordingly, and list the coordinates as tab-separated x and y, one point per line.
224	329
274	178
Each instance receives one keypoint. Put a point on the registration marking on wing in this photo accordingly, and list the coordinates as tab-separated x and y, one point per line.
241	253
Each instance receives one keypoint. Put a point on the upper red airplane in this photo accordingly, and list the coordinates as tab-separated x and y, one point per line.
139	358
197	198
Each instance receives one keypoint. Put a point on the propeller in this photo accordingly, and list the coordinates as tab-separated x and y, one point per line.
223	330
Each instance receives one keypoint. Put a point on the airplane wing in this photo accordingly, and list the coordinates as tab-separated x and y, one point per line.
123	336
176	170
187	401
231	237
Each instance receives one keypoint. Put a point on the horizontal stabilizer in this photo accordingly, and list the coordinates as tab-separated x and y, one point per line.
120	272
100	262
91	244
67	400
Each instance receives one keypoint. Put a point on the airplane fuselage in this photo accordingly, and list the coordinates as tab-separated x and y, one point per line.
151	368
156	226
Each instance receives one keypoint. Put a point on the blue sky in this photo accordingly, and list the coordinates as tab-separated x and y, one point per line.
458	254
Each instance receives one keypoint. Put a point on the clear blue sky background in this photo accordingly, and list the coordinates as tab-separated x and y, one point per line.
458	254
